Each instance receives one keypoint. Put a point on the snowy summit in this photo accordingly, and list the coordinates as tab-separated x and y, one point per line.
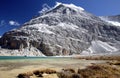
69	5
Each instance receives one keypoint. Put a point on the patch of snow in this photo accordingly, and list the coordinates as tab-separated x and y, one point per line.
69	26
42	28
77	8
111	22
99	47
114	23
46	28
72	6
46	8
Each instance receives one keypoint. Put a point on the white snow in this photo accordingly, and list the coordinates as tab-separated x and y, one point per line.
77	8
46	8
42	28
114	23
69	26
111	22
46	28
99	47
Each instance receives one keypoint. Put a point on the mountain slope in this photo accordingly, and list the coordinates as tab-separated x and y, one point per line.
99	47
115	20
63	30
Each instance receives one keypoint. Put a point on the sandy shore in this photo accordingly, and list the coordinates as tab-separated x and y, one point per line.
11	68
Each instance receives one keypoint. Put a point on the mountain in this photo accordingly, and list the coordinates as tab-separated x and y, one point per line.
65	29
115	20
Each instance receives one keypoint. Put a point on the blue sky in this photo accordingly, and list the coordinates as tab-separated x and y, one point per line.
13	13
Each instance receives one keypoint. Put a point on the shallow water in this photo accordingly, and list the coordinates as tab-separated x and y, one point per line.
13	65
18	61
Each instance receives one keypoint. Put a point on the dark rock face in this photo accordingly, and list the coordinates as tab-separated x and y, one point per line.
45	49
62	31
9	40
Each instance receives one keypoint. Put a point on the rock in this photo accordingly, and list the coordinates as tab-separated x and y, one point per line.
69	70
23	75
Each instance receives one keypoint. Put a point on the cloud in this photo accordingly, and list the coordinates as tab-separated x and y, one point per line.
14	23
45	8
2	23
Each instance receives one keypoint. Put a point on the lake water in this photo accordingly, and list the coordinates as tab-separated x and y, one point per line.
27	57
20	57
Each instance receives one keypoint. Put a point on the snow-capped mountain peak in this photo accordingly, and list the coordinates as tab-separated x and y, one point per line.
63	13
70	6
64	9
